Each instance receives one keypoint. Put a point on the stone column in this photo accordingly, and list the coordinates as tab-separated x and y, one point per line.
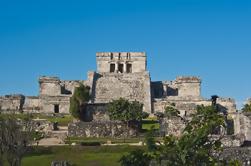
116	67
165	90
124	67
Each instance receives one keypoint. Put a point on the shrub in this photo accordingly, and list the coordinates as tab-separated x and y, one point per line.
90	144
78	101
126	111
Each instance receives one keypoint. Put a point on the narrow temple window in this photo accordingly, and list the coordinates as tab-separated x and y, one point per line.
121	68
129	68
56	108
112	68
111	56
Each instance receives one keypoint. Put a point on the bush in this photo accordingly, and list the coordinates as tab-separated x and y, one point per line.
135	158
90	144
247	108
171	111
126	111
78	100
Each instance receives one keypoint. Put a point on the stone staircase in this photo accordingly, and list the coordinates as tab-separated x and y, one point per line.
60	134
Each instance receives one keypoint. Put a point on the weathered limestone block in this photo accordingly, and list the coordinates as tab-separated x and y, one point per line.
100	129
112	86
236	153
12	103
231	142
137	60
227	105
41	125
32	104
55	104
188	86
245	125
172	126
97	113
49	86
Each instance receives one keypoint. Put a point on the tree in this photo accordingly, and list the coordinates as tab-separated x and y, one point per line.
150	140
195	146
135	158
15	136
126	111
171	111
78	101
246	108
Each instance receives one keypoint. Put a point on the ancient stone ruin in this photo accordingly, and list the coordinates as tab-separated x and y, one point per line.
125	74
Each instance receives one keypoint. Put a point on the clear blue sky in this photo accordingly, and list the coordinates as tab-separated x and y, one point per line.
206	38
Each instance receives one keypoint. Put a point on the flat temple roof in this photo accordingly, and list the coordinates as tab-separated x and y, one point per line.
104	54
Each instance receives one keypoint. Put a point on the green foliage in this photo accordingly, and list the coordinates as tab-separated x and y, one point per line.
150	141
135	158
235	163
246	108
93	143
75	108
37	135
171	111
150	124
194	147
126	111
78	100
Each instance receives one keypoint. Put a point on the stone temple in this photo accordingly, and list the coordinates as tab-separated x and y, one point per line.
120	74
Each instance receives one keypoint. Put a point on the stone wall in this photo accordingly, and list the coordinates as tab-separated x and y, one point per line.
32	104
100	129
227	104
49	86
181	88
53	86
68	87
12	102
172	126
231	141
133	86
97	113
245	125
136	59
188	86
55	94
189	104
186	107
49	104
237	153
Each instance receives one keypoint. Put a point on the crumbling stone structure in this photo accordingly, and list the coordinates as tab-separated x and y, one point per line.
122	74
12	102
101	129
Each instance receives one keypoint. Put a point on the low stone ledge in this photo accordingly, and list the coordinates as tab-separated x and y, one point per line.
100	129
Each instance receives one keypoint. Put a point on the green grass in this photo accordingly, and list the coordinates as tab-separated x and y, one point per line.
62	121
79	156
78	140
149	124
